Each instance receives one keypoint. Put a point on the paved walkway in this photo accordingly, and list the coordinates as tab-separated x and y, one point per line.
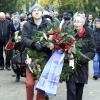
10	90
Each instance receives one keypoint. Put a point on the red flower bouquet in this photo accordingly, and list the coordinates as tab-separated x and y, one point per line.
61	40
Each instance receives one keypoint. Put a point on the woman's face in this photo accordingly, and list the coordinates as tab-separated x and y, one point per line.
97	25
78	23
36	14
16	20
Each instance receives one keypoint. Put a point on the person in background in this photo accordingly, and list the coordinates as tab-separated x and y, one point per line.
90	22
96	60
8	16
6	33
16	23
68	18
19	69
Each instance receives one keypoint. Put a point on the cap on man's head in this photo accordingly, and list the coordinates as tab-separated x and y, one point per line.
69	13
35	7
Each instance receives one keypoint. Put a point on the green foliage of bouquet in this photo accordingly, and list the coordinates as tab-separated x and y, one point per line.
38	62
64	39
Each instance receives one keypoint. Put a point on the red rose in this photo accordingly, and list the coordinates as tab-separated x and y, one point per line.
58	37
61	42
57	30
53	37
67	47
72	41
57	47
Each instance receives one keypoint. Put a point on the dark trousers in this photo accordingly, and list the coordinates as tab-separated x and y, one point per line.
74	90
96	64
1	55
8	56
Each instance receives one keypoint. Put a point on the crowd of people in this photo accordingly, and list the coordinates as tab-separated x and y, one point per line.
20	28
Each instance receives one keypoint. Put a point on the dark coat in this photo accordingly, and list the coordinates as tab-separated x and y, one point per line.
96	35
29	30
87	24
6	31
88	48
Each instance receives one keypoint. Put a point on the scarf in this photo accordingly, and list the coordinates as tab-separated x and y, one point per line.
81	33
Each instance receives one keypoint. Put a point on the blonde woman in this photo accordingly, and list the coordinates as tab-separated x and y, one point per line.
76	83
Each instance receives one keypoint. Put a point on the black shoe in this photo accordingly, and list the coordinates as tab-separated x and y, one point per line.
1	68
8	68
95	77
13	75
17	78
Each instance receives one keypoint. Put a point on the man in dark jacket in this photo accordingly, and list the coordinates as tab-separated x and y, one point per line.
96	60
90	22
6	32
75	84
30	28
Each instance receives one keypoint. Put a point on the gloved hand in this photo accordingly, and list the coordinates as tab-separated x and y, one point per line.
36	46
47	50
13	40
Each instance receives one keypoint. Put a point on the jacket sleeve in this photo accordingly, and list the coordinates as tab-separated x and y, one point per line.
12	30
89	45
26	36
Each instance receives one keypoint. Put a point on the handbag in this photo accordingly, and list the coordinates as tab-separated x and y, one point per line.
9	45
19	58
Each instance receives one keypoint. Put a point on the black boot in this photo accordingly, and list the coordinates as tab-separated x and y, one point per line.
46	97
17	78
8	67
1	67
95	77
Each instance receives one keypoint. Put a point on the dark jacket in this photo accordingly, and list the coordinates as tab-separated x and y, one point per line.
88	48
96	35
88	25
6	31
29	30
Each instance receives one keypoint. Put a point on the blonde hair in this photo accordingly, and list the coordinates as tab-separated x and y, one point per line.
81	15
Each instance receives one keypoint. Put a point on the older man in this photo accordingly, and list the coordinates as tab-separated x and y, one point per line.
6	31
